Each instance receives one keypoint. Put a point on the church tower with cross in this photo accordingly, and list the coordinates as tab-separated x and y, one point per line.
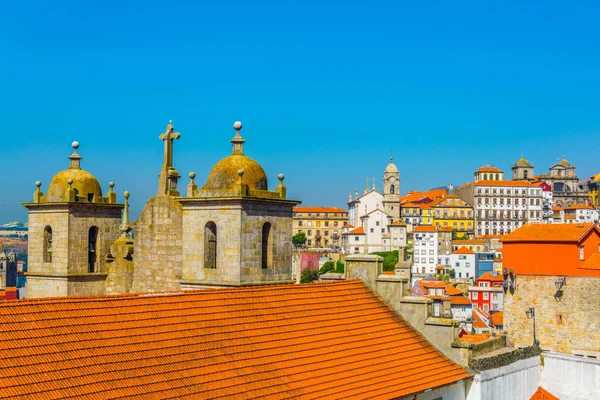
233	231
71	228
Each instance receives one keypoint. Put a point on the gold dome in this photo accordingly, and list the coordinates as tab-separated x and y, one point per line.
224	174
523	162
84	184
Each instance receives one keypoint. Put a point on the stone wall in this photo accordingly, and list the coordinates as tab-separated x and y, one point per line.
158	246
120	266
567	325
239	223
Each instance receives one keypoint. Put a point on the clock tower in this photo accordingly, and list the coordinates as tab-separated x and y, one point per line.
391	191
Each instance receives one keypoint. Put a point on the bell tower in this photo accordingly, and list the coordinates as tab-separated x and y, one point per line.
71	228
391	191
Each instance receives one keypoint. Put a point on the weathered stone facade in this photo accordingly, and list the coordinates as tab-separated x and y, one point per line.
233	231
568	324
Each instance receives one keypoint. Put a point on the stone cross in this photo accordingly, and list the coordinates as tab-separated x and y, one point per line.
168	138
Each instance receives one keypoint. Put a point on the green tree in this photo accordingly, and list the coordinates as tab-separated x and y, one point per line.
327	267
309	275
339	267
299	239
390	259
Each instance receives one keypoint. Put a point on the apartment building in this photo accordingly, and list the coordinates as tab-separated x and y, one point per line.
322	225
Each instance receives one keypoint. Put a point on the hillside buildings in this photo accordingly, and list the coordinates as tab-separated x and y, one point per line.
322	225
374	216
432	247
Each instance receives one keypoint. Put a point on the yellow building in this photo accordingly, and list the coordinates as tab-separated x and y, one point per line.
451	211
322	225
416	214
594	190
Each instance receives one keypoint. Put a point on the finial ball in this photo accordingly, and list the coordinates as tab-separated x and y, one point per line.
75	145
38	183
240	172
280	177
237	125
70	181
111	184
192	175
126	194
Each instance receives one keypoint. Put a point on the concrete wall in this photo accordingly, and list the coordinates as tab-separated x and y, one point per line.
456	391
516	381
571	324
571	377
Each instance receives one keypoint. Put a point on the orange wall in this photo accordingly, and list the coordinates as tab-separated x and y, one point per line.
539	258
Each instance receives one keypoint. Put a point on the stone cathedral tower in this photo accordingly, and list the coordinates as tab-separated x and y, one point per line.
70	230
391	192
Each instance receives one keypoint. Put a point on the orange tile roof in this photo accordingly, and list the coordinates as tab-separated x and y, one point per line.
488	169
319	210
459	300
478	323
580	207
542	394
593	262
569	217
555	208
464	250
489	276
398	223
503	183
452	291
358	231
498	318
218	343
550	233
422	228
474	339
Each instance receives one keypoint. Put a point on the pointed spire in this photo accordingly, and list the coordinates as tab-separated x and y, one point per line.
238	141
356	194
373	184
367	186
350	196
391	160
75	158
124	228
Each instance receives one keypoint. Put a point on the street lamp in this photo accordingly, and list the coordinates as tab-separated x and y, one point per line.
531	314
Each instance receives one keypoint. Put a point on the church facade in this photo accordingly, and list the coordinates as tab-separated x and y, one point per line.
233	231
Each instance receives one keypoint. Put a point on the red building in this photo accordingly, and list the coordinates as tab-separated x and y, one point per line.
487	295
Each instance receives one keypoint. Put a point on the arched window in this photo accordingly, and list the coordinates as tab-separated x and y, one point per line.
525	174
392	189
210	245
47	246
497	177
92	248
485	177
267	246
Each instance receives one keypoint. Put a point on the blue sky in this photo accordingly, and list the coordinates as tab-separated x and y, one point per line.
326	90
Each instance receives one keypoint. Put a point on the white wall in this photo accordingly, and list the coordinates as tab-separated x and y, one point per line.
571	377
517	381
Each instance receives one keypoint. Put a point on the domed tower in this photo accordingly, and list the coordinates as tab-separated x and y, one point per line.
236	231
522	170
70	232
391	191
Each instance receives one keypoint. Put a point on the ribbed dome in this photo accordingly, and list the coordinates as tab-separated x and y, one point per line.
391	167
523	162
224	175
84	184
564	163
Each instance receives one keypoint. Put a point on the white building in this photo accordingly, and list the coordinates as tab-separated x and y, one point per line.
432	246
463	261
502	206
578	213
371	214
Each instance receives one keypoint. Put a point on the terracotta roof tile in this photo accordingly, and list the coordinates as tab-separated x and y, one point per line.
464	250
474	339
550	233
498	318
357	231
459	300
490	276
319	210
218	343
424	228
503	183
478	323
542	394
453	291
